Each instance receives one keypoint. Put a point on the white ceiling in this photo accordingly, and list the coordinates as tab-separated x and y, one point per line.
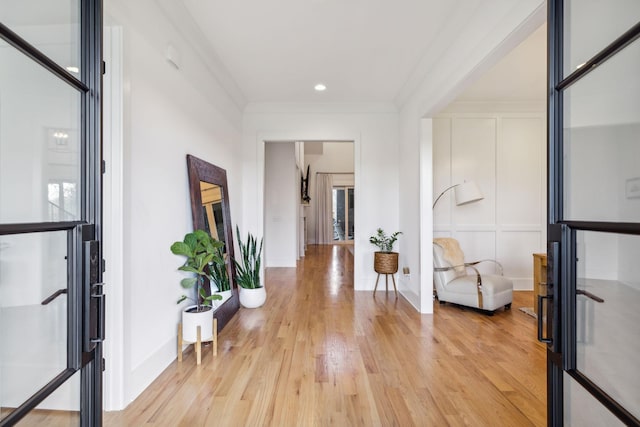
520	76
275	51
363	50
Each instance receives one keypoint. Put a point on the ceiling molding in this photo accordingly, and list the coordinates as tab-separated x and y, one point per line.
520	106
347	107
467	58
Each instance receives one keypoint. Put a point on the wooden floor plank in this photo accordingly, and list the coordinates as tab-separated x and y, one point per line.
318	353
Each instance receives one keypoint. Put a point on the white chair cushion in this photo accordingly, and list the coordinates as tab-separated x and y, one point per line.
468	284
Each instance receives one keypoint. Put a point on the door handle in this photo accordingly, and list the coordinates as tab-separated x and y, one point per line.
589	295
97	310
541	338
53	296
93	298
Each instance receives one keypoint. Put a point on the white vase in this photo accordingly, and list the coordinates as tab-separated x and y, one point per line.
191	321
252	298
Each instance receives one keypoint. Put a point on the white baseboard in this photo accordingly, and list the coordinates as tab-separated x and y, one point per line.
412	297
146	372
522	283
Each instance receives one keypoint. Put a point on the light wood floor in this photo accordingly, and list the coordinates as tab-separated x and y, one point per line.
318	353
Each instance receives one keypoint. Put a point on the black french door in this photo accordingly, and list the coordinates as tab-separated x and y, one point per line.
51	301
590	315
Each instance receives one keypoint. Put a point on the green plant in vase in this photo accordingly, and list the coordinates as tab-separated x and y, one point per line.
384	242
248	270
252	293
202	254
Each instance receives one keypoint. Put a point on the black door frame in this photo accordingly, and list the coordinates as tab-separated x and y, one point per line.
561	277
85	267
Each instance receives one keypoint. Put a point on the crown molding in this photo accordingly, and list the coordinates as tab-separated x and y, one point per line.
326	108
496	106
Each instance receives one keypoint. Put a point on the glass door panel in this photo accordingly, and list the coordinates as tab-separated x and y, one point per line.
40	147
52	26
607	316
343	215
350	214
591	25
594	212
60	409
339	220
33	314
50	212
582	409
601	145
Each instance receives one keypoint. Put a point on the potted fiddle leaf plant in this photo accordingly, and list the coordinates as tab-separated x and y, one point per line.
201	253
252	293
385	261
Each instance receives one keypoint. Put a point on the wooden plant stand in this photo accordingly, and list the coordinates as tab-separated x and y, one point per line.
386	283
386	263
198	342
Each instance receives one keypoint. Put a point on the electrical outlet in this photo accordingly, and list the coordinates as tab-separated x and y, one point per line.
406	271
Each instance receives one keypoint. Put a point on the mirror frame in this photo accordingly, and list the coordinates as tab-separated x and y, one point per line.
199	170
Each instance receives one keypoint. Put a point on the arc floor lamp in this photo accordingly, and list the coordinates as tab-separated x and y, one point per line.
465	192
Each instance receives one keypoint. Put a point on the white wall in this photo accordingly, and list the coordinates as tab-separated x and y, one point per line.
335	157
167	113
374	132
505	154
282	198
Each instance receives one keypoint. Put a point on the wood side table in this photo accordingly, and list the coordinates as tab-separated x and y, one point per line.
539	278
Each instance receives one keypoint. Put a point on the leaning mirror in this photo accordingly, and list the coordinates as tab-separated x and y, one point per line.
210	212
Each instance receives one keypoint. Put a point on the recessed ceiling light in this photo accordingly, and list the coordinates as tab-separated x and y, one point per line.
73	69
320	87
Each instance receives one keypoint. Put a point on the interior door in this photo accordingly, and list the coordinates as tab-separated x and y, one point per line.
51	302
591	309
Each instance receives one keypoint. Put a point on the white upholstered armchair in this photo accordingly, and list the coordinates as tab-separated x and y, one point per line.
454	284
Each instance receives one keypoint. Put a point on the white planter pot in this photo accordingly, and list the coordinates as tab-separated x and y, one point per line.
191	321
252	298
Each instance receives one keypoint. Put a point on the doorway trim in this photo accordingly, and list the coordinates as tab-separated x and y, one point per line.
315	135
113	146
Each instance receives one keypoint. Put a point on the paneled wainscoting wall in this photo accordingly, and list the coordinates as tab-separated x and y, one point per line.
505	154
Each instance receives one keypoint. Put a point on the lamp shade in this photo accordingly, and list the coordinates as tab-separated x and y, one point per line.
467	192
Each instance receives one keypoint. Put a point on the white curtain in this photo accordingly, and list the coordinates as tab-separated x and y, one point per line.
324	208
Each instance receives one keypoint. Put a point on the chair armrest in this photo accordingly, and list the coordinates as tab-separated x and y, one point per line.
477	273
465	265
448	268
500	269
